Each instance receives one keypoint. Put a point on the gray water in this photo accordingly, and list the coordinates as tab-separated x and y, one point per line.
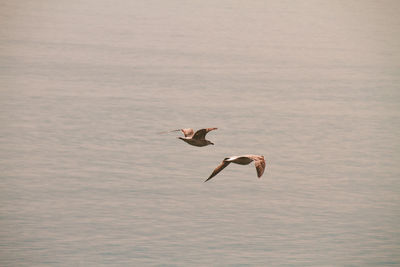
85	86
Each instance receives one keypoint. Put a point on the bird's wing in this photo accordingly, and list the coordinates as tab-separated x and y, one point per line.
218	169
170	131
188	132
201	134
260	166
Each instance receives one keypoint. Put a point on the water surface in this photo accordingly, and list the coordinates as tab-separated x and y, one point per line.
313	86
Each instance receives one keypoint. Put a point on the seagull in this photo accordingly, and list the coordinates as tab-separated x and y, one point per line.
195	138
259	162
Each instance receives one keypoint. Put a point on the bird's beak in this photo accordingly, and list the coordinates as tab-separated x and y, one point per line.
212	143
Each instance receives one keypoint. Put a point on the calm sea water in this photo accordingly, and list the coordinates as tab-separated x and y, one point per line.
314	86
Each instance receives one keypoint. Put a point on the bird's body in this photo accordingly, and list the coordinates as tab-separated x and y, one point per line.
196	142
195	138
259	163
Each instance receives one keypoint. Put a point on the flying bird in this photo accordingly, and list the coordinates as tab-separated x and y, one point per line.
259	162
197	138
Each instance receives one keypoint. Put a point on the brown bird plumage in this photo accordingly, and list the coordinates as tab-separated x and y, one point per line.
259	163
197	138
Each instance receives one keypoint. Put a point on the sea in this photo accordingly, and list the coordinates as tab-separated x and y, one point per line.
87	179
